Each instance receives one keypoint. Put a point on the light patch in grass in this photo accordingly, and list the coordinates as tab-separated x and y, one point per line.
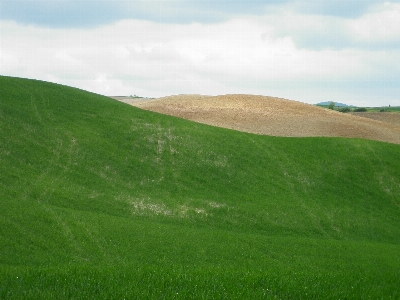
94	194
388	183
216	205
149	182
5	152
185	211
212	158
164	140
305	180
146	207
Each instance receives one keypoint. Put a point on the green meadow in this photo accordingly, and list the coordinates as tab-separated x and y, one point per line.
102	200
386	109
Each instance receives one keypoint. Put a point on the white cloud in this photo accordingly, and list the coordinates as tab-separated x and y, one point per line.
258	55
379	25
378	28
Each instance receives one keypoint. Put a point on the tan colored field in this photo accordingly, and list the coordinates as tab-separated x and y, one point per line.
274	116
388	117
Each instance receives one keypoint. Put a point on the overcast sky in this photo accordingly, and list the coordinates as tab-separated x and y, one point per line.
311	51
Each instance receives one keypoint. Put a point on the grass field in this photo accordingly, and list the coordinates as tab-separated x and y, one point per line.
102	200
386	109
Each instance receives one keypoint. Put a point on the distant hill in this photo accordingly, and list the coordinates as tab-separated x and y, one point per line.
336	104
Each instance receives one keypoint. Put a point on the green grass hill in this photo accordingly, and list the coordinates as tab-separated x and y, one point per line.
102	200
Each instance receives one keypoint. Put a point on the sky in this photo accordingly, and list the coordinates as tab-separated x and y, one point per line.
345	51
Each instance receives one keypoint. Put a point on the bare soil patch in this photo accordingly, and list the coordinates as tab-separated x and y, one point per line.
273	116
388	117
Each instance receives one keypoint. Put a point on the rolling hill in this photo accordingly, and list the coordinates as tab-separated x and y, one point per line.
326	103
104	200
274	116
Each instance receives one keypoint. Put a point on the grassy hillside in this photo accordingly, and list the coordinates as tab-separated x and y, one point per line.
103	200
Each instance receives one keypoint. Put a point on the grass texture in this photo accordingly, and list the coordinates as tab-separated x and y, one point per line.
102	200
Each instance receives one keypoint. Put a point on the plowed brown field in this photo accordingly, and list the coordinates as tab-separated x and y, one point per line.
274	116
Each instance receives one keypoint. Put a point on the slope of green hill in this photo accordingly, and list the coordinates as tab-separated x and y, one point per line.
103	200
